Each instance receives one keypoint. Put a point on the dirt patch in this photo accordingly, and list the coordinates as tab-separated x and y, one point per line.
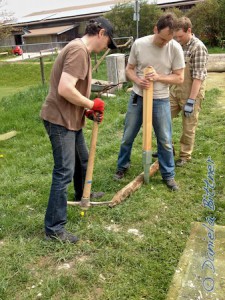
96	293
49	263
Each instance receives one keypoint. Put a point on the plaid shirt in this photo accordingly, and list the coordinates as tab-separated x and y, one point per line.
198	54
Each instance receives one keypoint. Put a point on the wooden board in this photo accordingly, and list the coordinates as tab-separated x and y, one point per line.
7	135
133	186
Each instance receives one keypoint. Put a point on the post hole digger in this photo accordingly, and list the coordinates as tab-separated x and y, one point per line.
85	202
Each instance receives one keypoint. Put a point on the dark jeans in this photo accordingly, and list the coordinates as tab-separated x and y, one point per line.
70	155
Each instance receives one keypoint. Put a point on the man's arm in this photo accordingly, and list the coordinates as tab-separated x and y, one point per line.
176	77
196	84
67	90
199	69
131	75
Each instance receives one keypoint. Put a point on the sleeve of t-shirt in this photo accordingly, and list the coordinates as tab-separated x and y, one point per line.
76	63
132	57
178	57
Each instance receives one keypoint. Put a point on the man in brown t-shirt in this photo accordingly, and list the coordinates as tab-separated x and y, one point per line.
63	113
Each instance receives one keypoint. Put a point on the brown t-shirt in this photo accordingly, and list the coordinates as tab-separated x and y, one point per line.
75	60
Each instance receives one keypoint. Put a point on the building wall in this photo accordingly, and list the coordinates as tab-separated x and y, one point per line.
68	35
9	41
38	39
82	27
38	43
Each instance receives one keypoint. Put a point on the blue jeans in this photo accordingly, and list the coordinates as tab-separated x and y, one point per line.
163	131
70	155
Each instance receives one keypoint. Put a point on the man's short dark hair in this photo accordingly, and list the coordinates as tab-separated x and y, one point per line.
183	23
167	20
92	28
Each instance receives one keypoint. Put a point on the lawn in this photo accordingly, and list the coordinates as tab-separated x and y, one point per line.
21	75
18	76
110	262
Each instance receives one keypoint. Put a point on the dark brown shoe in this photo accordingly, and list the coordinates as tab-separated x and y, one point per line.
96	195
119	175
155	154
171	184
64	237
181	162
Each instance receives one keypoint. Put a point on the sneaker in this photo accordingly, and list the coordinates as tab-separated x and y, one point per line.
96	195
181	162
119	175
63	237
171	184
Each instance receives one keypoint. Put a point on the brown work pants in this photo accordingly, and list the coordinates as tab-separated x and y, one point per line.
189	125
178	97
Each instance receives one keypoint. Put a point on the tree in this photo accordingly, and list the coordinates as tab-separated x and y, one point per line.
5	17
208	21
121	16
176	11
221	17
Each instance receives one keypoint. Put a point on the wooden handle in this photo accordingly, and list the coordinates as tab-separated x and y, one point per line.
91	158
147	113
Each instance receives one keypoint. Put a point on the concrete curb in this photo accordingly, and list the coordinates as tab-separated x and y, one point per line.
201	270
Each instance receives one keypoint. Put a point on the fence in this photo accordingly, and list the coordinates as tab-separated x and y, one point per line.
31	48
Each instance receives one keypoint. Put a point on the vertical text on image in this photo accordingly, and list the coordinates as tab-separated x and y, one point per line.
209	203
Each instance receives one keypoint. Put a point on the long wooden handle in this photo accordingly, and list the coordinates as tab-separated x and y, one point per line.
91	158
147	113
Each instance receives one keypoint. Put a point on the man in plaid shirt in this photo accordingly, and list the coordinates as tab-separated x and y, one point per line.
188	96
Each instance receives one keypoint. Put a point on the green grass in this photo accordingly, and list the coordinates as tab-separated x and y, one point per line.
216	50
19	76
105	264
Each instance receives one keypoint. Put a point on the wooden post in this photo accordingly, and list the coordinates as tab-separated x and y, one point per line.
116	69
147	127
131	187
42	70
100	60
